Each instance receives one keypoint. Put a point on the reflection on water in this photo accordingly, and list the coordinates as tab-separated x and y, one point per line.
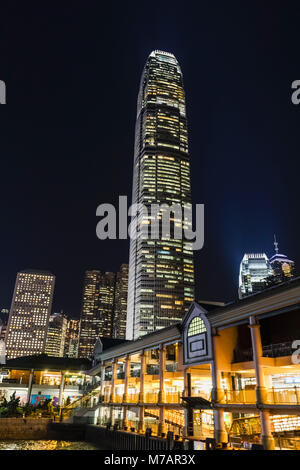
46	445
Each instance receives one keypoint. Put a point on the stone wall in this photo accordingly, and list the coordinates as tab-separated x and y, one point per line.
25	428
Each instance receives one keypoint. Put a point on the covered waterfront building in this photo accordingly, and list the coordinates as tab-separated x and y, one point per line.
228	372
37	378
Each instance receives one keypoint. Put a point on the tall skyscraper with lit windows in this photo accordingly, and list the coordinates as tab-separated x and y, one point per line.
97	314
56	336
29	313
161	271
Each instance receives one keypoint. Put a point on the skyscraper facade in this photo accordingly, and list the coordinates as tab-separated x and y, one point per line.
161	270
72	338
255	272
97	313
56	335
283	267
89	320
121	292
29	313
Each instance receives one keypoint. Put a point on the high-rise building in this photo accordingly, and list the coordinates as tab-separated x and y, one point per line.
97	312
255	271
56	335
107	304
89	321
161	271
283	267
72	338
29	313
121	292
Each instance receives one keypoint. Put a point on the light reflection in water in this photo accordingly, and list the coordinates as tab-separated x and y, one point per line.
46	445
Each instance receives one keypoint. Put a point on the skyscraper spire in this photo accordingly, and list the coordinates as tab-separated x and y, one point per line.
276	244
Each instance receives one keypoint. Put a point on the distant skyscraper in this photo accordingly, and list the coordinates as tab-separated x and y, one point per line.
283	268
161	272
90	321
72	338
121	302
97	310
29	313
255	269
56	335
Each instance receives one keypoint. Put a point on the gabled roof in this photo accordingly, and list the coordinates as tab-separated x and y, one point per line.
111	342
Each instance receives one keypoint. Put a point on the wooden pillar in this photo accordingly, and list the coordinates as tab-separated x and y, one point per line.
126	379
60	396
113	379
217	397
188	411
142	377
30	386
261	390
141	418
162	370
161	426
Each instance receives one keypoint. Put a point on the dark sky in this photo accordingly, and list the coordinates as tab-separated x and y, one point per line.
72	71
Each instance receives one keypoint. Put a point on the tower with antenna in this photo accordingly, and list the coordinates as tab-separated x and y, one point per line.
283	267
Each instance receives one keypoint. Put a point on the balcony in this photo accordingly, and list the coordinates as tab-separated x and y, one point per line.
152	369
275	396
270	350
133	398
135	373
173	397
172	367
151	397
118	399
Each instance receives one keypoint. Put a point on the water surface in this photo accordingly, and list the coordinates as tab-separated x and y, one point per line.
46	445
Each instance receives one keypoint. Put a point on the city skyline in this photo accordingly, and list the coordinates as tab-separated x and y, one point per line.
236	136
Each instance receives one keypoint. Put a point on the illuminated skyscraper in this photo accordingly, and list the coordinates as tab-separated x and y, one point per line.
89	321
121	302
56	335
283	268
29	313
255	272
97	310
72	338
161	271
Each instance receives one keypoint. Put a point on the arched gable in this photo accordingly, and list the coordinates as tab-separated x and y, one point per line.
197	345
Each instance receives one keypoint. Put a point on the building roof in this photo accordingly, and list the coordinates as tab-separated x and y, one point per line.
108	343
43	361
36	271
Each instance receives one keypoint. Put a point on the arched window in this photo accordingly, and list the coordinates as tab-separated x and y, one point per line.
196	327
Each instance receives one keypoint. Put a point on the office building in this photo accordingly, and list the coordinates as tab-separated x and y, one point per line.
121	292
283	268
29	313
255	272
72	338
56	335
161	270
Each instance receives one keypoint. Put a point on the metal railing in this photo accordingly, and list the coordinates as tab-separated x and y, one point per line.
269	350
274	396
151	397
173	397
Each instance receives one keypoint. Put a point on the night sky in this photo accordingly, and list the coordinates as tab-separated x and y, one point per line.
72	71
